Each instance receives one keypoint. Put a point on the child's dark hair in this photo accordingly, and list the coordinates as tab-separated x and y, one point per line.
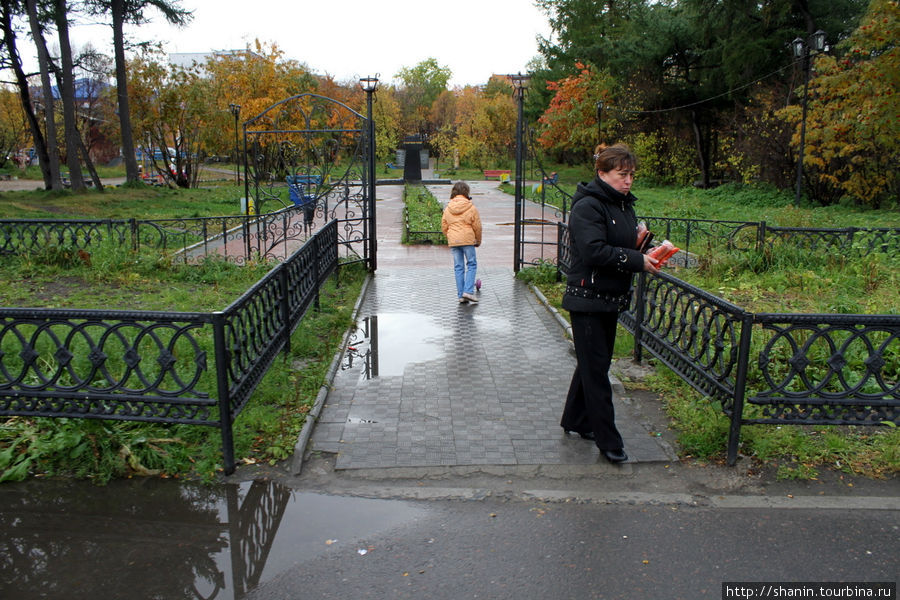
460	188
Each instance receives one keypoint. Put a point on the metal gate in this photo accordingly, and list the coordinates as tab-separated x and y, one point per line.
309	159
540	205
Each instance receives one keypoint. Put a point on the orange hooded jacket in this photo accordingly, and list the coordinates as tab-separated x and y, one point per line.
461	222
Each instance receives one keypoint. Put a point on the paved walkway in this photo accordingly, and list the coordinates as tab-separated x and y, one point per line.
426	381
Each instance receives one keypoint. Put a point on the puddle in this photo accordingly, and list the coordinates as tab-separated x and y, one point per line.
384	344
164	539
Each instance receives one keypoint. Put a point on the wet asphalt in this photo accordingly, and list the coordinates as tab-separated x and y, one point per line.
436	469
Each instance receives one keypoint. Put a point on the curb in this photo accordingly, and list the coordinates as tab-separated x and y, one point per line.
313	415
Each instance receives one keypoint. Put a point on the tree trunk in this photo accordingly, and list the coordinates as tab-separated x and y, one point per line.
47	99
702	145
118	19
89	165
40	145
67	95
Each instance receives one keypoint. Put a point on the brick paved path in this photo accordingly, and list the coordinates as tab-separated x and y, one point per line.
449	384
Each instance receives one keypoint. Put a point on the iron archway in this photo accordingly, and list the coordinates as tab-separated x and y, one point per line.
308	160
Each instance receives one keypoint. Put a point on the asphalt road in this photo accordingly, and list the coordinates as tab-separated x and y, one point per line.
494	549
151	538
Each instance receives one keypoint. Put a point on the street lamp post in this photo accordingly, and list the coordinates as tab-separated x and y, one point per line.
368	84
803	49
599	128
236	111
520	84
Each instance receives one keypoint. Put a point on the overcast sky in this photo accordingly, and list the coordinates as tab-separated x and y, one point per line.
352	38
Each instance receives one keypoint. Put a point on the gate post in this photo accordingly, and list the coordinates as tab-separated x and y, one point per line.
740	385
225	418
639	310
369	84
520	83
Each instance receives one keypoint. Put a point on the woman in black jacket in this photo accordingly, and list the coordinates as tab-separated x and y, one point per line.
603	231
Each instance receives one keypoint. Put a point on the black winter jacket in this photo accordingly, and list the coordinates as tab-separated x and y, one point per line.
603	231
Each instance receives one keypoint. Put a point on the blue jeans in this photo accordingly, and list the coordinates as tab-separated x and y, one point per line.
464	266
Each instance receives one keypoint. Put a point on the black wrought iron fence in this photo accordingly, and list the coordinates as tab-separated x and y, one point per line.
29	235
270	236
801	369
701	237
176	368
855	240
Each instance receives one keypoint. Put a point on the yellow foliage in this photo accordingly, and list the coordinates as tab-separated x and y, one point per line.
853	121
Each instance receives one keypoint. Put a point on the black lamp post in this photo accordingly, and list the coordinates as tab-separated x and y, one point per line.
368	84
803	49
236	111
520	84
599	128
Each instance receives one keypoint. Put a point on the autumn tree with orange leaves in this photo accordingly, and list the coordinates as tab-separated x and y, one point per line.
853	121
570	122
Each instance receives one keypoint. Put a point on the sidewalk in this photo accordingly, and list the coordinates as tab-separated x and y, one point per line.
447	384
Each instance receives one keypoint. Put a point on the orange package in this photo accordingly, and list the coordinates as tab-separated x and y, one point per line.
663	253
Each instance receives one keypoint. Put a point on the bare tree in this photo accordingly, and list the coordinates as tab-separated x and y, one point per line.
66	87
132	11
7	11
47	102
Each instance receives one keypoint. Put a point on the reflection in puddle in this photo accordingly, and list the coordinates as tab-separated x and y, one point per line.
384	344
162	539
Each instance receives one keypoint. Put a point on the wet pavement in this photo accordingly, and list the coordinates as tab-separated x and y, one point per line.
260	540
427	381
152	538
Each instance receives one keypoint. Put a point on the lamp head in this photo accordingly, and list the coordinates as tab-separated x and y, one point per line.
818	41
368	84
519	81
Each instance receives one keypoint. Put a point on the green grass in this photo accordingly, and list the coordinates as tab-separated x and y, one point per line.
144	202
109	277
730	202
424	215
267	428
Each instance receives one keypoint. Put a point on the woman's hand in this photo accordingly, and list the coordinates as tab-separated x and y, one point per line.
650	264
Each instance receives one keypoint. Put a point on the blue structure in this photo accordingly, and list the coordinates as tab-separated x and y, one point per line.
302	192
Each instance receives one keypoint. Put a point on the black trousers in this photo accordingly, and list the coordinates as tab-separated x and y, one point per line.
589	406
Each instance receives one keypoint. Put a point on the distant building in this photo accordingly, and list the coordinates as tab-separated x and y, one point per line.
187	60
90	97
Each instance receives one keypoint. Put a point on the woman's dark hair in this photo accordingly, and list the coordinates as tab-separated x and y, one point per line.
617	156
460	188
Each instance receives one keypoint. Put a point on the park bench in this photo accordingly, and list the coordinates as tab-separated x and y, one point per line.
5	177
501	174
67	183
301	190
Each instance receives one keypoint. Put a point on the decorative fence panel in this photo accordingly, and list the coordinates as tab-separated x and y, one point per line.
29	235
155	366
831	369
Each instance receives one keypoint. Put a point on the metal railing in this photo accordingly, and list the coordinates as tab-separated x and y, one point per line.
155	366
802	369
239	238
427	237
